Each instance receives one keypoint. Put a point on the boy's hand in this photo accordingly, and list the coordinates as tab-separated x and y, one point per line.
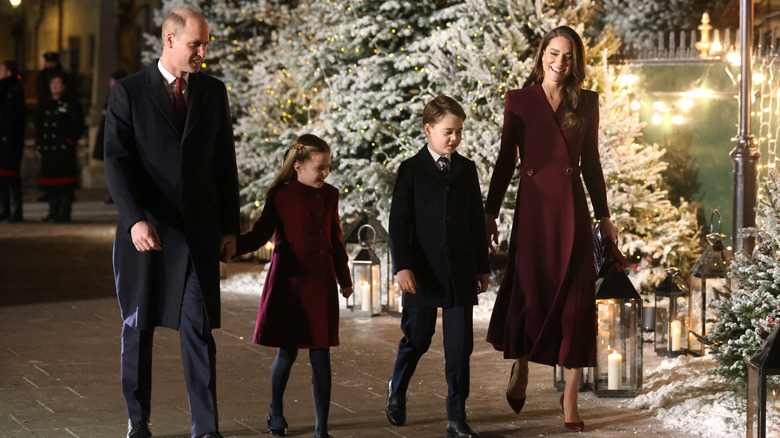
492	231
406	281
346	292
482	282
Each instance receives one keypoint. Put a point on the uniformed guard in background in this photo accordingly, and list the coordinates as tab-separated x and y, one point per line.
12	118
58	127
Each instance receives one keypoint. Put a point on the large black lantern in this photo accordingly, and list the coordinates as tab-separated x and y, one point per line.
354	233
672	300
765	363
618	370
708	278
369	292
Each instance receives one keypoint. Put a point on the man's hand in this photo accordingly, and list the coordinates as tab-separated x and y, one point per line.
227	249
482	282
406	281
492	231
145	237
346	292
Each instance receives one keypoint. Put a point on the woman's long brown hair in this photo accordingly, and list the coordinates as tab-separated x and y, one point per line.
572	119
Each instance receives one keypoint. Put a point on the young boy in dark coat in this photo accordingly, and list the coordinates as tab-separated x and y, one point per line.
440	255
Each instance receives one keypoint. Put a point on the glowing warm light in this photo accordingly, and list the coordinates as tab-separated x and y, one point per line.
626	79
15	3
701	92
734	59
659	106
758	78
678	119
656	119
716	47
685	103
635	105
269	245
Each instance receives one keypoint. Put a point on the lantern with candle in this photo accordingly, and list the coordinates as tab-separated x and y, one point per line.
672	299
618	371
366	277
708	279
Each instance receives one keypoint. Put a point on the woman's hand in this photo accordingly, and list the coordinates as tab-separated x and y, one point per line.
492	231
608	230
346	292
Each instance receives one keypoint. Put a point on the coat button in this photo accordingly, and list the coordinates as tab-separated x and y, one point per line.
568	170
531	172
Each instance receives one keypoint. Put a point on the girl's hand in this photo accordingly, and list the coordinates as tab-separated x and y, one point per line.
346	292
482	282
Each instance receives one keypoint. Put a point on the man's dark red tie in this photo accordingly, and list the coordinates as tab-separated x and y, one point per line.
181	106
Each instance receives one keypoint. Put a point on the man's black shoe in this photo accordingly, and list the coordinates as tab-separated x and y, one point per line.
138	430
211	435
460	429
396	406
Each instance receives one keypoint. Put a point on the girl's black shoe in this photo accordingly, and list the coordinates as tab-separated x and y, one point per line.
277	425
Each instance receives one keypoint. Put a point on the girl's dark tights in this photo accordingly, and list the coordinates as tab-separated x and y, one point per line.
320	383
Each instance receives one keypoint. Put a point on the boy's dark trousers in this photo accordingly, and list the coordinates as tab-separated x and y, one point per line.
418	325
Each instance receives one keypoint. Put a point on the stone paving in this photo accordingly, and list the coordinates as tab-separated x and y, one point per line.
59	359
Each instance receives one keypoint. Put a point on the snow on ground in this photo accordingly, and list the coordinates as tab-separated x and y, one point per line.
250	283
680	392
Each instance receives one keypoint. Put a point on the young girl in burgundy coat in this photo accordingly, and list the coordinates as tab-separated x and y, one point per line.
299	307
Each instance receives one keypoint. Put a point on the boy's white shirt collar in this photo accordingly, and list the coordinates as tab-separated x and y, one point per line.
169	77
436	156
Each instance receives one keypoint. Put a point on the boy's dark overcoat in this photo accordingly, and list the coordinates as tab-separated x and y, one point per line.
437	229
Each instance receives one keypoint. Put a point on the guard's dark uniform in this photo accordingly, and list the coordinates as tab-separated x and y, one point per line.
58	127
12	122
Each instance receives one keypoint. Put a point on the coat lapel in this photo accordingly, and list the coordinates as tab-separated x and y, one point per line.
159	94
198	95
562	134
427	161
456	165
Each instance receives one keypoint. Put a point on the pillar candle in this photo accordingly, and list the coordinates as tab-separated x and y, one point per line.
366	304
614	374
675	335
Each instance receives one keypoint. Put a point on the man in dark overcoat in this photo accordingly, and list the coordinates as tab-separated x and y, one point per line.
13	114
171	170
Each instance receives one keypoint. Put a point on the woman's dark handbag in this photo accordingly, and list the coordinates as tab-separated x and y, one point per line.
606	254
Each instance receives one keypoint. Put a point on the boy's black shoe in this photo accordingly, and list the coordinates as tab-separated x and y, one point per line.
138	430
396	406
460	429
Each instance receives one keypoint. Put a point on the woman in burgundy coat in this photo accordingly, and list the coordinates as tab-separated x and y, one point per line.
545	309
299	307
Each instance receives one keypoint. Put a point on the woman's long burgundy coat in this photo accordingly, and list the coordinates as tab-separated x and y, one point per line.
545	308
299	306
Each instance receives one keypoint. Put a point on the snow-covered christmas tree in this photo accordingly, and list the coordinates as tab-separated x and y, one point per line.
650	225
745	318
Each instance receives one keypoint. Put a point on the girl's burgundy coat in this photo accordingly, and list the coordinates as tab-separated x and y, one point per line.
299	306
546	307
